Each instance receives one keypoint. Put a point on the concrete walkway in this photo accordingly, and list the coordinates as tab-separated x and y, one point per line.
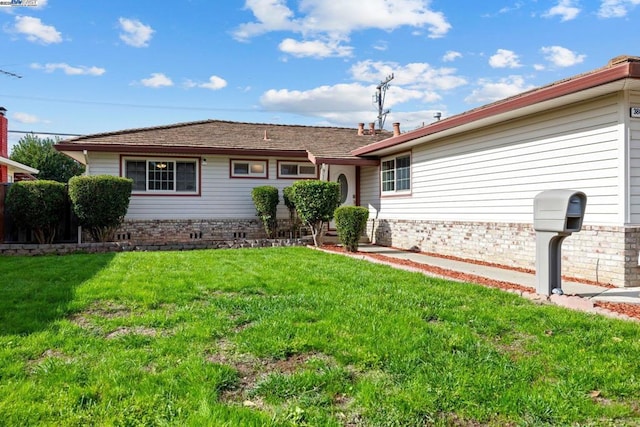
584	291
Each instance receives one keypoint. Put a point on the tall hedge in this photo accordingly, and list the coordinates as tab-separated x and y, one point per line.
315	202
100	202
266	200
351	221
37	205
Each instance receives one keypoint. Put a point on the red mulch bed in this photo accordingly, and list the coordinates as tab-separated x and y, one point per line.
631	310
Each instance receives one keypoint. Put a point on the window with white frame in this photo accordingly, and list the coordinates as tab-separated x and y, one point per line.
395	174
249	168
179	176
297	170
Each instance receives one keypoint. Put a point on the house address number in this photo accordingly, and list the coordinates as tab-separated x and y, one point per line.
635	112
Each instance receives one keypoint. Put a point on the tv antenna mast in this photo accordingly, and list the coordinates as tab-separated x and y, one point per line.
381	92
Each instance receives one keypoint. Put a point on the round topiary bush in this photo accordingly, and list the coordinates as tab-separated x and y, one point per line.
316	202
100	202
351	221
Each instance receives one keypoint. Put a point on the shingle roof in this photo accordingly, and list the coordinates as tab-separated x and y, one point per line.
216	136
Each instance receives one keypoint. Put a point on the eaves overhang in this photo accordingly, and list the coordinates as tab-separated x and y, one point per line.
162	149
589	85
354	161
17	167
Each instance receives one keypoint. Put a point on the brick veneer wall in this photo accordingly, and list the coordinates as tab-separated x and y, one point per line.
606	255
192	231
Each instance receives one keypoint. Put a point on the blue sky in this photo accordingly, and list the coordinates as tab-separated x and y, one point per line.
95	66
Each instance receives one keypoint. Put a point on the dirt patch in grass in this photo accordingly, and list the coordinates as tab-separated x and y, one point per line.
49	355
136	330
108	310
89	319
251	370
104	309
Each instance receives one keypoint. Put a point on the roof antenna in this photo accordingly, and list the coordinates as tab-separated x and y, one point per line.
437	115
381	92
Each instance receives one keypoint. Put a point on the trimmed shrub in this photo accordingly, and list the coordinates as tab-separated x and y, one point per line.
100	202
37	205
315	202
351	222
266	200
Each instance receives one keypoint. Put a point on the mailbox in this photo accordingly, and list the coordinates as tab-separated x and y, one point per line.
556	214
559	211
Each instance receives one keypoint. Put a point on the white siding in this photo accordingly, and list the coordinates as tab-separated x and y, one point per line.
494	174
221	197
634	161
370	189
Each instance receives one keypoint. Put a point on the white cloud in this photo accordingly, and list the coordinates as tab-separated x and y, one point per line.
561	56
490	91
214	83
36	31
451	55
157	80
25	118
347	104
135	33
565	9
616	8
69	70
417	75
381	46
316	49
338	19
504	58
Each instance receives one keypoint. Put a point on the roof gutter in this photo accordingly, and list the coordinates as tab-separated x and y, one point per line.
629	69
144	149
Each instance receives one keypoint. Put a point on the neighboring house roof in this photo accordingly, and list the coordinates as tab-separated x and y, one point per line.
15	167
318	144
622	72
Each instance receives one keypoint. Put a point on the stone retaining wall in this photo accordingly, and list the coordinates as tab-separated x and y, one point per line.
605	255
69	248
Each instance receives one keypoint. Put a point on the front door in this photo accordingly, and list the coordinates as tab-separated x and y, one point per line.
345	176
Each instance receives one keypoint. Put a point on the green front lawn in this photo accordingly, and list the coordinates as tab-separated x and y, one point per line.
294	336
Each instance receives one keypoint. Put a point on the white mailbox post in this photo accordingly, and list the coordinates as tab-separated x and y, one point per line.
556	214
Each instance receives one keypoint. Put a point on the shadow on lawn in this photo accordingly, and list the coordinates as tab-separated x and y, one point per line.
35	291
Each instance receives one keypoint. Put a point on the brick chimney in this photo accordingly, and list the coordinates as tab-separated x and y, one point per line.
4	144
360	129
372	128
396	129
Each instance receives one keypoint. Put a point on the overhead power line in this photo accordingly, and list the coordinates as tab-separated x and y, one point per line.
10	74
117	104
45	133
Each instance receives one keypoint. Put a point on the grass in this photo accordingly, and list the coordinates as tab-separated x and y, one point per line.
293	336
